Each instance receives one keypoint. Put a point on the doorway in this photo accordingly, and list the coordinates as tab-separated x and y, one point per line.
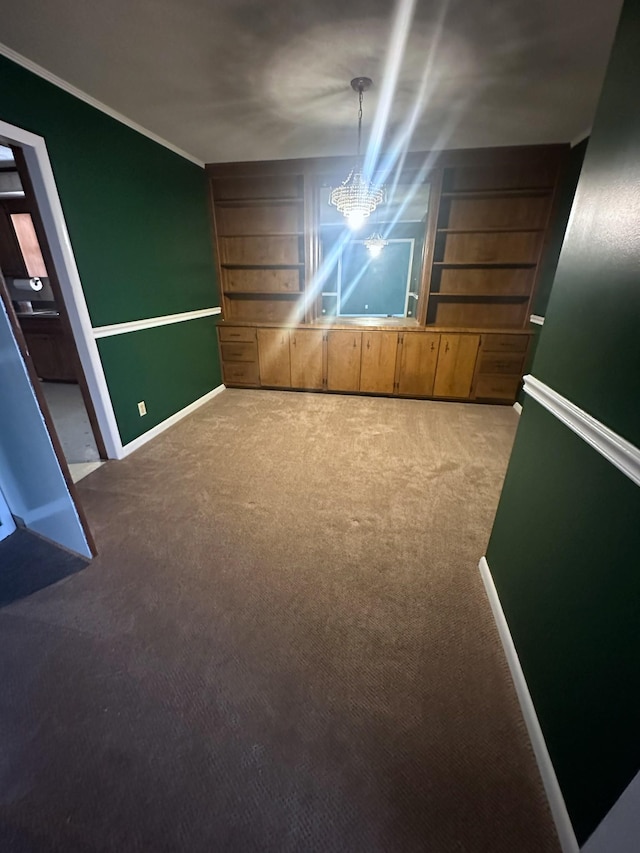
35	485
36	165
32	286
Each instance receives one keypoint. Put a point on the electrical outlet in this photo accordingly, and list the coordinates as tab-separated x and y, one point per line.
142	408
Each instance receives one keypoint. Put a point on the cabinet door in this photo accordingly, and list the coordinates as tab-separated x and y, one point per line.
52	353
456	365
418	353
306	358
11	260
343	361
274	358
378	366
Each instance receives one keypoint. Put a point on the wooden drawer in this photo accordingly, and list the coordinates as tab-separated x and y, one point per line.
236	333
505	343
495	362
240	373
497	387
239	351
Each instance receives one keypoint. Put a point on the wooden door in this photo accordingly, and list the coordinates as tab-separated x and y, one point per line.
274	357
343	361
306	358
456	365
378	365
418	355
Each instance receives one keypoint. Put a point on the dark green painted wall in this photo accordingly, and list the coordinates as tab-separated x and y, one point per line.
139	225
563	205
150	365
564	551
564	558
590	350
549	264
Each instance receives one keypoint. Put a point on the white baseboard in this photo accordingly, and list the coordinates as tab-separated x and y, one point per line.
518	407
557	805
161	427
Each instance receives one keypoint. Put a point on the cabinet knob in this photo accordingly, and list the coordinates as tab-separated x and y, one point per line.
446	349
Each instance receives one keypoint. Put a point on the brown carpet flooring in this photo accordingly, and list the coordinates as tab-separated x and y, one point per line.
283	645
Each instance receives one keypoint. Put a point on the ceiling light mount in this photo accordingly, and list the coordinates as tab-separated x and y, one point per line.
361	84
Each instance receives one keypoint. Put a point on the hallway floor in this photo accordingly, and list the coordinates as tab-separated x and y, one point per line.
283	645
73	427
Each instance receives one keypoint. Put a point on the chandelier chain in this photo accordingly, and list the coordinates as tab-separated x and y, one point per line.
359	120
357	197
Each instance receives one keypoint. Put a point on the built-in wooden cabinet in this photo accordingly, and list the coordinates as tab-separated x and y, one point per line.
456	365
485	232
274	357
489	239
11	259
499	367
239	352
307	350
449	366
418	356
260	245
379	353
344	353
51	349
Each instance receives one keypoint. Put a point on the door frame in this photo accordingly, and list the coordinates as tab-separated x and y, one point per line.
49	206
46	415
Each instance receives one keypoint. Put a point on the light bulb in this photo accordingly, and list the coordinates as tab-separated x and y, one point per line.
375	251
355	220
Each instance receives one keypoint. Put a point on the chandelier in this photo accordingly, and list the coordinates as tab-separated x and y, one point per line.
375	244
356	197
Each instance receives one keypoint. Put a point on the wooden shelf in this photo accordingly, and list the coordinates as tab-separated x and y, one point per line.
493	230
269	234
497	296
485	265
497	193
275	294
262	266
256	202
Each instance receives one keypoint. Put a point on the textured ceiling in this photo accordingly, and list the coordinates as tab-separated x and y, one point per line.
248	80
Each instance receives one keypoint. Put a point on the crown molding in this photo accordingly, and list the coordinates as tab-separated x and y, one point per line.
11	54
580	138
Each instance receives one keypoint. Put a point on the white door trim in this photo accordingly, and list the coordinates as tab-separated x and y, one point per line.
46	192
